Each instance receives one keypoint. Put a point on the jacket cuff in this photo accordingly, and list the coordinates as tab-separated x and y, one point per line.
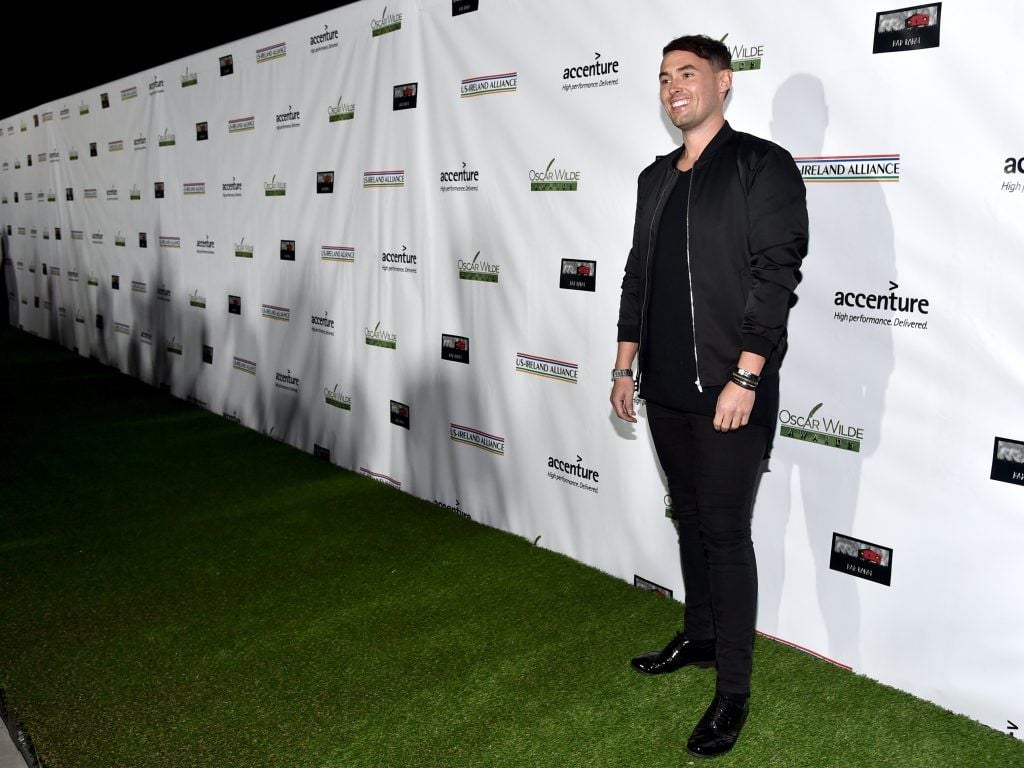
759	345
629	333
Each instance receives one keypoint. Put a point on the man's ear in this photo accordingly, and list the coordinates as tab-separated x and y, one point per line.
724	82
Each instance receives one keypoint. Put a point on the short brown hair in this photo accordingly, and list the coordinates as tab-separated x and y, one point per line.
713	51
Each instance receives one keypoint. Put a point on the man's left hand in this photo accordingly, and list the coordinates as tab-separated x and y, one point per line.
733	408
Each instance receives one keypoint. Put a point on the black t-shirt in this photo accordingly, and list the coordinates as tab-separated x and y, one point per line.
669	360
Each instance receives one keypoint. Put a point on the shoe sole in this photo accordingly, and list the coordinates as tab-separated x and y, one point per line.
698	664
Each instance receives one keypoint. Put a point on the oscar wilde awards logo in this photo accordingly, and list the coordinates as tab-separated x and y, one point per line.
398	262
1012	166
485	441
386	23
378	337
554	180
596	74
234	304
907	29
890	304
861	559
336	399
578	275
341	111
820	430
274	188
483	85
849	168
404	96
287	250
381	477
207	354
455	348
479	270
573	473
227	65
547	367
1008	461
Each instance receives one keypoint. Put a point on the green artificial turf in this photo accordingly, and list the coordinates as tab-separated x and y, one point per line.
178	590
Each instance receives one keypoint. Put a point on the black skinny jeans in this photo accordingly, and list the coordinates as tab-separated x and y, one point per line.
711	479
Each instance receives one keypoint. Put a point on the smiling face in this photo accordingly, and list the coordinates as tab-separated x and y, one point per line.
692	93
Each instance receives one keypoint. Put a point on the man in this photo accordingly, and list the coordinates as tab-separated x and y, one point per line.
720	232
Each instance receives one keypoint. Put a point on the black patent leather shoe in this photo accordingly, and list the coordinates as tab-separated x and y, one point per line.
679	653
717	731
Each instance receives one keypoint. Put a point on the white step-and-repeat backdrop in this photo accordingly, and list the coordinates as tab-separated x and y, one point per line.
393	236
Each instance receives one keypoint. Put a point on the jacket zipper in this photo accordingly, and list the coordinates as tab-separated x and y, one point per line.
689	275
647	275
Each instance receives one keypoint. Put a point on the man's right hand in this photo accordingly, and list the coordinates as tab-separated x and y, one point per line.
622	398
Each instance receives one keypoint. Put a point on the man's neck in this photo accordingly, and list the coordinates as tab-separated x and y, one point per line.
696	141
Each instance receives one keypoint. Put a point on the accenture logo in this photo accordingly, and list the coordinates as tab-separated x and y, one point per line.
477	438
289	119
323	41
505	82
573	473
286	381
592	75
322	324
231	188
849	168
889	303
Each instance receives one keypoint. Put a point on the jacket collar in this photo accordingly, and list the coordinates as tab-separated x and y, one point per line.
724	134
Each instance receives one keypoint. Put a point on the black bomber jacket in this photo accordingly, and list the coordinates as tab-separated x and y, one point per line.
746	238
